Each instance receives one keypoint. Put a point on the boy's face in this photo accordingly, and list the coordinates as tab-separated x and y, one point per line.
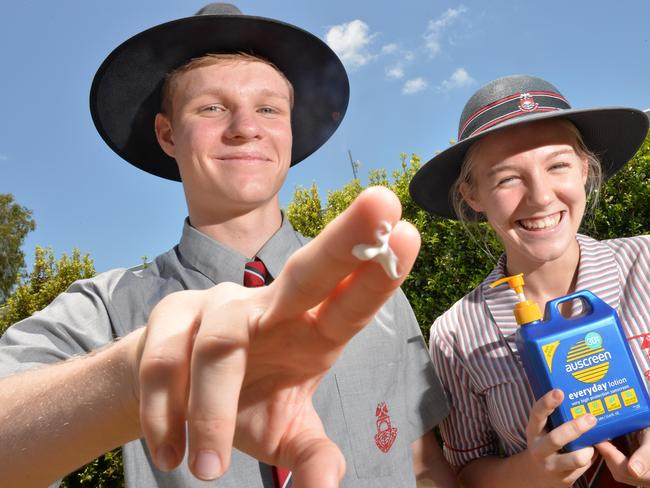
230	133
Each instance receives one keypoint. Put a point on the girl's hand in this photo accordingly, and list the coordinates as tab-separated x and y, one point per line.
547	466
633	470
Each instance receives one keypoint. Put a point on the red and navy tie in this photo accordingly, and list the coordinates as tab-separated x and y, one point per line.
255	274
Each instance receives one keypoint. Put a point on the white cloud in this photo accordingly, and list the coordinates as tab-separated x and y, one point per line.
415	85
400	58
395	72
437	27
458	79
350	40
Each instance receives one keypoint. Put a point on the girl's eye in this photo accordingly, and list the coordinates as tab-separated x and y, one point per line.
560	165
506	180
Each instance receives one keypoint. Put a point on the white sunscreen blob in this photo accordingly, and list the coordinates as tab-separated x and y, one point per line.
380	252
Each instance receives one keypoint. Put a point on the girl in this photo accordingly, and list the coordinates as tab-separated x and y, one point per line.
526	162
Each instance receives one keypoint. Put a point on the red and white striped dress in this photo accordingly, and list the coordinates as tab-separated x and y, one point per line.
473	348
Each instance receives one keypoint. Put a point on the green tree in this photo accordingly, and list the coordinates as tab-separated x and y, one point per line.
15	223
44	283
623	208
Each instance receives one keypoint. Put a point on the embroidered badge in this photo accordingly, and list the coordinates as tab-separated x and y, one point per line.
527	102
386	433
645	348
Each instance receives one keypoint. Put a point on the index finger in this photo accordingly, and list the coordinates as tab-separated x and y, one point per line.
314	271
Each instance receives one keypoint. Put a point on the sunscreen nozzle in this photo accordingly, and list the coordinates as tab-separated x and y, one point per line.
526	311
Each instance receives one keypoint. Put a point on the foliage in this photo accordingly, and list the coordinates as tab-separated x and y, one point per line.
106	471
624	202
48	279
15	223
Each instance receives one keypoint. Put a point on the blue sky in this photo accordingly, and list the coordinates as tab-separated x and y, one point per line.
412	67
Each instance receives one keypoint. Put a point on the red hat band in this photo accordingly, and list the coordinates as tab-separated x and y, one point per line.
516	105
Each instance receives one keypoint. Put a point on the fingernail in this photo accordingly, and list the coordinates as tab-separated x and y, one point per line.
638	468
557	395
166	457
207	465
590	419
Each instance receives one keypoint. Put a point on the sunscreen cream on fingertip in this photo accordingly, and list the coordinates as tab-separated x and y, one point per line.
380	252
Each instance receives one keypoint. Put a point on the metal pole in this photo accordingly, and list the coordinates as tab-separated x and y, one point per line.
354	165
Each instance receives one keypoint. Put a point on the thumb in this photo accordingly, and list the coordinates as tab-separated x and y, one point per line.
315	461
319	464
638	464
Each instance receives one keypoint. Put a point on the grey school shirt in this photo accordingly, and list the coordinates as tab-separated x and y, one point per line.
380	396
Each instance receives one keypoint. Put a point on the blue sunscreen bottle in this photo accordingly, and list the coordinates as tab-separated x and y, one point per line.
587	357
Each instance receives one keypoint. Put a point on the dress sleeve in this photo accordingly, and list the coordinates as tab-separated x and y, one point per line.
466	432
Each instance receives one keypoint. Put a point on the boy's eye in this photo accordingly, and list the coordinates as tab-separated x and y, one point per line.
214	108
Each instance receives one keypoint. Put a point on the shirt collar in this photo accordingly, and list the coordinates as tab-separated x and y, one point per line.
597	272
220	263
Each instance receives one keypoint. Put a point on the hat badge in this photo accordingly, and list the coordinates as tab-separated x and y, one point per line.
527	102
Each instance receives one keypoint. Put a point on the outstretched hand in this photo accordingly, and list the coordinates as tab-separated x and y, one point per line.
241	365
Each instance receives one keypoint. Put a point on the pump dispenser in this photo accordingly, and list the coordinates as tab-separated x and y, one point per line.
526	311
587	357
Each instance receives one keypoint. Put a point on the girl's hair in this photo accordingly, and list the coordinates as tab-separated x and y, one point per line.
171	79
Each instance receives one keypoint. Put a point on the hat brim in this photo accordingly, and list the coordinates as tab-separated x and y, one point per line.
125	93
614	134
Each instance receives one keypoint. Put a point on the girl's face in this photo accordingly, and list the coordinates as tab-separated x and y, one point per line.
530	184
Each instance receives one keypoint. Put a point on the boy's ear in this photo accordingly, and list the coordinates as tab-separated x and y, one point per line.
165	134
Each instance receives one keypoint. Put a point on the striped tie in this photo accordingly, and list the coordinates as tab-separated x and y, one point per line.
255	274
282	477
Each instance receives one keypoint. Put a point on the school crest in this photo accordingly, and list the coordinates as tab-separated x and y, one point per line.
527	102
386	433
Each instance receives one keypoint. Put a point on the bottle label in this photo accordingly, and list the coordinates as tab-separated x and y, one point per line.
596	374
587	360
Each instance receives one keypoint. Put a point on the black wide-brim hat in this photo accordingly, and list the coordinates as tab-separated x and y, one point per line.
126	92
613	134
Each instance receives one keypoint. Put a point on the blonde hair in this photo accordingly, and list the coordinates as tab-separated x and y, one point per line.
171	79
465	213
